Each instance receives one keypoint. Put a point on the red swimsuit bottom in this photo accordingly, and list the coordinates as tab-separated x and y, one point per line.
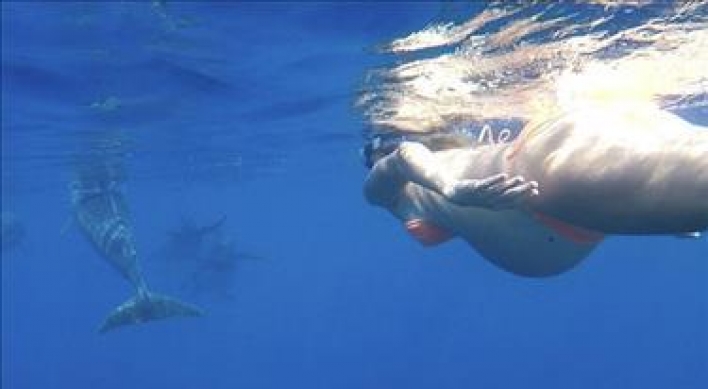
430	234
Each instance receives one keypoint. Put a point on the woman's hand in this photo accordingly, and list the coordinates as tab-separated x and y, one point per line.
496	192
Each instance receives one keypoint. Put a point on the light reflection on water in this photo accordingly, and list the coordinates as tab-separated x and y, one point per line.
530	60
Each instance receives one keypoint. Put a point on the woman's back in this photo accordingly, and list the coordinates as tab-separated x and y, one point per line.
629	170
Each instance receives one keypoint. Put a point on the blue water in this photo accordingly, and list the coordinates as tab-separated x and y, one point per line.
245	110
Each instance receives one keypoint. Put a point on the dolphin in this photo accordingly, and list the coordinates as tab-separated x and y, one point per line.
101	211
189	239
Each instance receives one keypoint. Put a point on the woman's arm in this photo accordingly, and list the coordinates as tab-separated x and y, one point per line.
414	163
384	184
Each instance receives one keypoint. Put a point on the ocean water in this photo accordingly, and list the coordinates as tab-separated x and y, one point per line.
243	113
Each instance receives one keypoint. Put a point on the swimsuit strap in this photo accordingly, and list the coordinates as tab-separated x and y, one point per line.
532	129
569	231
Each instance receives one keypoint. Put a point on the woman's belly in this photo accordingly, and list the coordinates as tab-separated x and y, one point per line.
516	241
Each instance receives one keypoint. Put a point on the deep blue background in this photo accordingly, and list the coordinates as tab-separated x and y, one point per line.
246	110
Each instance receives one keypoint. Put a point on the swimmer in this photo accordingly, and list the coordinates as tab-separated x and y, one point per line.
540	204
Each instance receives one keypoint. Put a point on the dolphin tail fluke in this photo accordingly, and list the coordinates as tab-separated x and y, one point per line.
147	306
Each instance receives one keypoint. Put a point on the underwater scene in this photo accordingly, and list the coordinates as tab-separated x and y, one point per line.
451	194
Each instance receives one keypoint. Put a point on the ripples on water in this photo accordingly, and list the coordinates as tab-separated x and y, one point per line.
191	91
520	60
182	92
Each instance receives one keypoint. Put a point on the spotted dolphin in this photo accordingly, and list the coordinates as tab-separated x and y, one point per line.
101	211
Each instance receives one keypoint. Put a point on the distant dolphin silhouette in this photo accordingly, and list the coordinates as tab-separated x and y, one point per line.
101	211
190	236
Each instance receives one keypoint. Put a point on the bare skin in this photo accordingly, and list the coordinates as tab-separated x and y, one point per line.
629	171
632	170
